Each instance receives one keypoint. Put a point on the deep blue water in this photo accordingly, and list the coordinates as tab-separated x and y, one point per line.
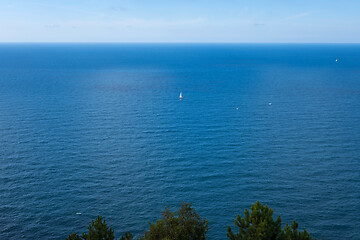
100	129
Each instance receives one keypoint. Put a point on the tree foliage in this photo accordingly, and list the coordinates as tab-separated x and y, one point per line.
98	230
260	225
184	224
73	236
128	236
257	225
291	233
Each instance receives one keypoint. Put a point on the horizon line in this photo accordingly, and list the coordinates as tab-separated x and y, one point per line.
160	42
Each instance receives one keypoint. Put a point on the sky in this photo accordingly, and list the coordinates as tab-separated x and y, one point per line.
208	21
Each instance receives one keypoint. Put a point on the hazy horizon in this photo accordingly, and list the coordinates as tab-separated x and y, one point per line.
213	21
185	43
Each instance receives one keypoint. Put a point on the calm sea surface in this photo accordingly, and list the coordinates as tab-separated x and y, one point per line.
100	129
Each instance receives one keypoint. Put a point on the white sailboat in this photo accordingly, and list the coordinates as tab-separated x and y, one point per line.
181	97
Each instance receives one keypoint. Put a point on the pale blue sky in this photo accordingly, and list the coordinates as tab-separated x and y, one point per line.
314	21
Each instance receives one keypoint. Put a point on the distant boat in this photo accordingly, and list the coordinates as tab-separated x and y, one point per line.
336	60
181	97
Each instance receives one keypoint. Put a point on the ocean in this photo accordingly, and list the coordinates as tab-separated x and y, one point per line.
100	129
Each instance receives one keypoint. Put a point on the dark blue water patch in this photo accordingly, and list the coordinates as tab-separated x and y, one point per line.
100	129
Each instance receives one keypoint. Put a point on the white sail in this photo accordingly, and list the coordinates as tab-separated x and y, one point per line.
181	95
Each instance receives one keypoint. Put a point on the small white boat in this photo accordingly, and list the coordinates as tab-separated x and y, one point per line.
181	97
336	60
